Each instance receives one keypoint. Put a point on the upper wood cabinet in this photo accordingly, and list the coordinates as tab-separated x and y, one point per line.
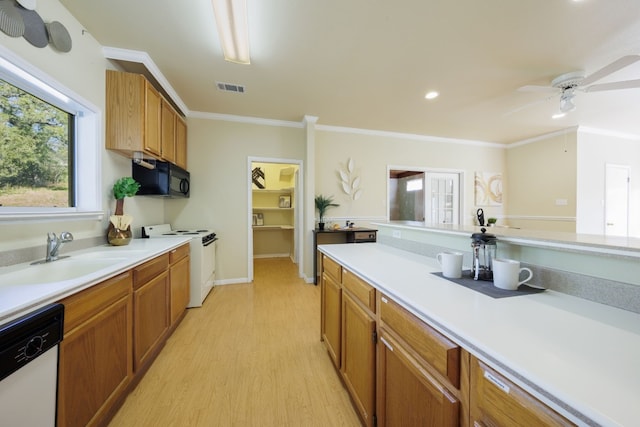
168	136
139	119
181	142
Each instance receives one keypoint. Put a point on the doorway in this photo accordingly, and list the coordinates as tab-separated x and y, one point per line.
422	195
275	210
616	200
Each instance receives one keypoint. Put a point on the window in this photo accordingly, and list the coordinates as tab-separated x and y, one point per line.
49	147
414	185
36	147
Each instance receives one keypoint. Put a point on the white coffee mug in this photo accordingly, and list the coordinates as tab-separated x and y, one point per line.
451	263
506	274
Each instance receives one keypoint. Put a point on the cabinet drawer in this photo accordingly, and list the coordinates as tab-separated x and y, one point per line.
150	269
434	348
496	401
360	289
178	253
78	308
332	268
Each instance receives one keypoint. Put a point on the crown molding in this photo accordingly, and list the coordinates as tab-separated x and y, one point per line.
143	58
408	136
245	119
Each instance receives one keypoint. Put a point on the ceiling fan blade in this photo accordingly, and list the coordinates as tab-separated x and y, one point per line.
609	69
628	84
533	88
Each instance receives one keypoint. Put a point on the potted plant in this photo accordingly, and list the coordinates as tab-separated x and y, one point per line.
492	221
322	204
119	232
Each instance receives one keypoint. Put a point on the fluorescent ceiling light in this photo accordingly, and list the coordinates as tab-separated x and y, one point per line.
432	95
231	19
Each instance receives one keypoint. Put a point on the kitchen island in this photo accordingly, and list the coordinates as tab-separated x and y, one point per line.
578	357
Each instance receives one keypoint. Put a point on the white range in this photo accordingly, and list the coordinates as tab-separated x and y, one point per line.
203	256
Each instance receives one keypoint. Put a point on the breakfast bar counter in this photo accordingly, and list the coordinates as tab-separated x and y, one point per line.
579	357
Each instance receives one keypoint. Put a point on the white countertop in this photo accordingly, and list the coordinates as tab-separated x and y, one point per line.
16	300
579	357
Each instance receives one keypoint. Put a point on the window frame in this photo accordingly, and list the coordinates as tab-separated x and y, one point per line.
87	156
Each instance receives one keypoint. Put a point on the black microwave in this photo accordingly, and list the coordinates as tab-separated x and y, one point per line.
165	180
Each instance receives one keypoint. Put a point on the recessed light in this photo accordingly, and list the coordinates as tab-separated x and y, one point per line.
431	95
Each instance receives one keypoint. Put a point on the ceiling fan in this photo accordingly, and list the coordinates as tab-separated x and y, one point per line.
567	85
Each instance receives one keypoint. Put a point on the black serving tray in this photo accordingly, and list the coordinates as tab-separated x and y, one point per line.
487	288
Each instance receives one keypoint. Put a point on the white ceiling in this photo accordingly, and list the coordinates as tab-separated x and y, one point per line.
368	63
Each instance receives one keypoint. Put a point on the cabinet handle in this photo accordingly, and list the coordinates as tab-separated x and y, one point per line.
386	343
384	300
496	381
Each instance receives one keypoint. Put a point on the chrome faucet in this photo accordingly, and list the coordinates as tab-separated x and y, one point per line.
54	243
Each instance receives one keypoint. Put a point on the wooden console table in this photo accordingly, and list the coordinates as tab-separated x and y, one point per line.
339	236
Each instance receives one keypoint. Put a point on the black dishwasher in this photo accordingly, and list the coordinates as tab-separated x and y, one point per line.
29	367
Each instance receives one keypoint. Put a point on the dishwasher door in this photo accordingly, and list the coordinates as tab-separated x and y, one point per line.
29	368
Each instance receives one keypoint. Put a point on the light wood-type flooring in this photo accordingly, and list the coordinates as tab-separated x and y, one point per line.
251	356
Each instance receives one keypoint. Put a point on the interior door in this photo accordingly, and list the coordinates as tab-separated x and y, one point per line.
616	204
443	202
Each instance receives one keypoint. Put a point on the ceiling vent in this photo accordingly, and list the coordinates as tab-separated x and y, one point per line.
230	87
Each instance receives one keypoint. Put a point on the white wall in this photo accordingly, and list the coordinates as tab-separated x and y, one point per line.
217	156
372	152
539	173
594	151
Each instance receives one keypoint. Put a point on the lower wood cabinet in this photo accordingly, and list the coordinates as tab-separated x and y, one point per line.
331	322
414	375
407	394
151	318
497	402
112	333
95	364
179	282
359	356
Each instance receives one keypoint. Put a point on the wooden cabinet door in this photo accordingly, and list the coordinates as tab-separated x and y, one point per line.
358	356
153	120
180	288
168	135
331	317
181	142
497	402
125	94
95	365
406	394
150	318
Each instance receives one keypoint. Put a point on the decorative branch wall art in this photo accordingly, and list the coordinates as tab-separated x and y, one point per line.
349	181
